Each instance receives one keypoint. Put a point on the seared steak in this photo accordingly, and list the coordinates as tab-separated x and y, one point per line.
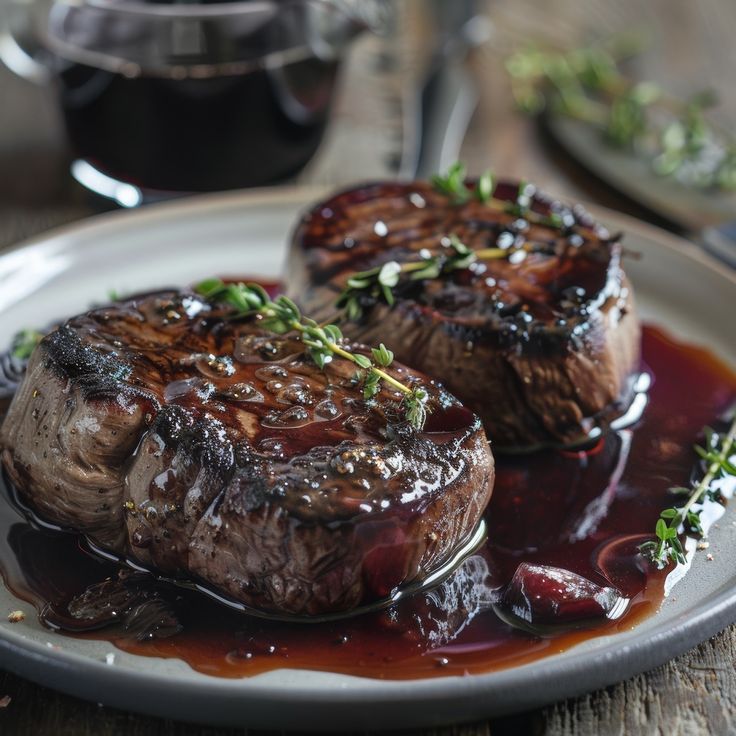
542	344
205	448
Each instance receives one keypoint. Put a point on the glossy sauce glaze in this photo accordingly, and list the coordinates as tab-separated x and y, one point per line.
545	306
203	447
584	512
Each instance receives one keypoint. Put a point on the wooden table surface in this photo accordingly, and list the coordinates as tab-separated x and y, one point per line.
693	694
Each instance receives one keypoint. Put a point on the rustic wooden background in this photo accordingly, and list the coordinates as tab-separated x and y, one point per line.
691	47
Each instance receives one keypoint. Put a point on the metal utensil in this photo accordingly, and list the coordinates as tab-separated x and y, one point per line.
447	96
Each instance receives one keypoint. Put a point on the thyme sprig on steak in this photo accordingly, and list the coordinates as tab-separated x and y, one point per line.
454	186
718	454
323	342
378	284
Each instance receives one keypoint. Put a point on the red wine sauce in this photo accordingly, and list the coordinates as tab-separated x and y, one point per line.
586	512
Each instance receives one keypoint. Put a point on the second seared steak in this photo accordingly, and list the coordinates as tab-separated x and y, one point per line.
205	448
541	340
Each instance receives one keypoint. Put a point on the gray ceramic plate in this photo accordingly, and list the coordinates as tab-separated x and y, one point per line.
688	207
245	234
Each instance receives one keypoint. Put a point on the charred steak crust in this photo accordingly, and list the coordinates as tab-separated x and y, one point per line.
205	448
542	345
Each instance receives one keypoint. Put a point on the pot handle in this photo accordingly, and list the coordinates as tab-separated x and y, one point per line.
19	50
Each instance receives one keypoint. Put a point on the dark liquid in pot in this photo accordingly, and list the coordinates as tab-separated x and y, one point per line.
223	131
582	511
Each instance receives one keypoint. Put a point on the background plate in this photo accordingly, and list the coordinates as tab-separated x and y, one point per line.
688	207
245	234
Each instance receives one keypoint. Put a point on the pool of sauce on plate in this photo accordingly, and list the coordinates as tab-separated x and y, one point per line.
585	512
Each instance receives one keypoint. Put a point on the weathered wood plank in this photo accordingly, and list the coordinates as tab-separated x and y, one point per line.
693	694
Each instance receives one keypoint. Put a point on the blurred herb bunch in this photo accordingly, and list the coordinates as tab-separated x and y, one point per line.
589	85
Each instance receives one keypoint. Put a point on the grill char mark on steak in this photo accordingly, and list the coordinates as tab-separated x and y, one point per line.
543	349
205	448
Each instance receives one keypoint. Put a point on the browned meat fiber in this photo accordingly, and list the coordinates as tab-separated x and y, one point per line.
542	344
205	448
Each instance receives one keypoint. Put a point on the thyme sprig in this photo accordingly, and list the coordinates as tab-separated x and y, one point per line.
718	454
365	288
24	343
587	84
323	342
453	184
377	284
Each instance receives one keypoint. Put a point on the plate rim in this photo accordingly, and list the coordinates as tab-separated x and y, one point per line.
303	195
610	663
605	163
198	203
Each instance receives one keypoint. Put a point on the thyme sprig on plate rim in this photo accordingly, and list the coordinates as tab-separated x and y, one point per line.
323	342
718	454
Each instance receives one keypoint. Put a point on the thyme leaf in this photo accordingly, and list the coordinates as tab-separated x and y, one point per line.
24	343
323	342
718	454
452	183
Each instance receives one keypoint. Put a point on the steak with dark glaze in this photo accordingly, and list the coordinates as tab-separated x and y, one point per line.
543	344
204	448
